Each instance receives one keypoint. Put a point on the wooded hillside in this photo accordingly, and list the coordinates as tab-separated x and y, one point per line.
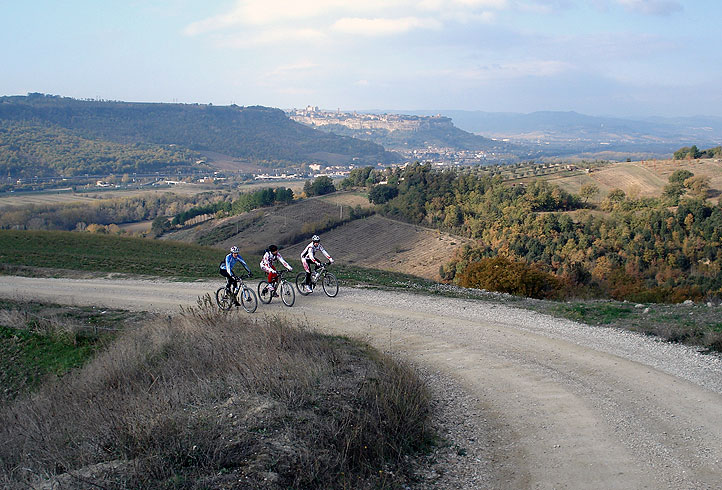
40	130
642	249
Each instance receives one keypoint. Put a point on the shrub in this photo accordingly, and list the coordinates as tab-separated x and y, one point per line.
506	276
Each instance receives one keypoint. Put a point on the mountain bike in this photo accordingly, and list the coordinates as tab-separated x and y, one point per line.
284	289
238	293
327	279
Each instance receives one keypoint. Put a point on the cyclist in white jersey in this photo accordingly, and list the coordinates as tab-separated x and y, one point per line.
268	265
308	257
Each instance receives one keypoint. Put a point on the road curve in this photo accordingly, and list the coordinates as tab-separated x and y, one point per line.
568	405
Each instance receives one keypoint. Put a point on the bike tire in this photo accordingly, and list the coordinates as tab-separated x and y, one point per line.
288	295
264	292
224	299
248	299
301	283
330	285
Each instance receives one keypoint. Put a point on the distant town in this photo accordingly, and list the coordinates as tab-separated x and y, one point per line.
365	125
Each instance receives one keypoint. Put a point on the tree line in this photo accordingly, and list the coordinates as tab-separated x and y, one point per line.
693	153
79	216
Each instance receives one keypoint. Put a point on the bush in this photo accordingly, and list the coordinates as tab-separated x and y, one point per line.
505	276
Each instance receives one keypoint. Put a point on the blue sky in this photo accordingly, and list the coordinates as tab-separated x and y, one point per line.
599	57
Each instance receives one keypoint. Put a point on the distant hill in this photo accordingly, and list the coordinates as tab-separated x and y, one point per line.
30	127
399	131
567	133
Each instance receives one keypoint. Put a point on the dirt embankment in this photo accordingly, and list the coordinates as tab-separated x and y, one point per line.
548	403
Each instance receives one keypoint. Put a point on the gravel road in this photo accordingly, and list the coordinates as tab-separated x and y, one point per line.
528	401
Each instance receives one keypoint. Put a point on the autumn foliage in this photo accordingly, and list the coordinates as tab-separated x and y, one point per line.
507	276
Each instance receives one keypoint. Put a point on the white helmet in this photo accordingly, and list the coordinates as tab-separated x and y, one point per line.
315	238
234	249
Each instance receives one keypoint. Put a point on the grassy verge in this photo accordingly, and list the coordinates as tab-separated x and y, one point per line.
42	341
690	324
213	400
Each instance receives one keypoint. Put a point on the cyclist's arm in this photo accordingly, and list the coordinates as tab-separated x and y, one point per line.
323	250
285	264
243	263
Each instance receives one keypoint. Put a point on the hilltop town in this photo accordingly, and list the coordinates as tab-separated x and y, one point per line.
424	138
313	116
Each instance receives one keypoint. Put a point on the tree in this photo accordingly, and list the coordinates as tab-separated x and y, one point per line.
160	225
679	176
382	193
588	191
698	186
687	153
320	186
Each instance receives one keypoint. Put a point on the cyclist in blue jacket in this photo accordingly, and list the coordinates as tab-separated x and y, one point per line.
226	267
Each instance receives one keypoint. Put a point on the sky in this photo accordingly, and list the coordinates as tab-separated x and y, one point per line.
597	57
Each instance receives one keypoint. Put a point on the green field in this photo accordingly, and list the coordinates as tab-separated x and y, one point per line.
107	253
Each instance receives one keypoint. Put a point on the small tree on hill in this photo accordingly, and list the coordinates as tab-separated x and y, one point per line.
160	225
679	176
588	191
319	186
382	193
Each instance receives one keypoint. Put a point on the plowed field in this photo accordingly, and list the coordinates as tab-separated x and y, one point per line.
386	244
372	242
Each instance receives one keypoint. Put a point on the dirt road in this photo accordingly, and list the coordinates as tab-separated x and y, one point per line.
562	405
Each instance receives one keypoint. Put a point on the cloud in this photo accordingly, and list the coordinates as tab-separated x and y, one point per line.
290	75
652	7
378	16
522	69
272	36
543	6
383	27
294	67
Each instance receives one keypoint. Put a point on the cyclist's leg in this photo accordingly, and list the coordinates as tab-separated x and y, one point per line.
307	267
272	279
229	279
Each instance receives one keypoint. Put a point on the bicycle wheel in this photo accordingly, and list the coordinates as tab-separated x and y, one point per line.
330	285
224	299
248	299
301	283
264	292
288	296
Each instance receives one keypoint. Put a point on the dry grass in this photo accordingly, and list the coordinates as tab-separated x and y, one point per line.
645	178
210	400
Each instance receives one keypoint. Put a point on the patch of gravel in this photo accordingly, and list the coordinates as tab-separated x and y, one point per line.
460	459
689	363
685	362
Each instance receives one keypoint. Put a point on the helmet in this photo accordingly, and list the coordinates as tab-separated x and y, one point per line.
234	249
315	238
272	248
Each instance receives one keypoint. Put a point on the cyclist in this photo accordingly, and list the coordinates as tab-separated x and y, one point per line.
268	265
226	269
308	257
